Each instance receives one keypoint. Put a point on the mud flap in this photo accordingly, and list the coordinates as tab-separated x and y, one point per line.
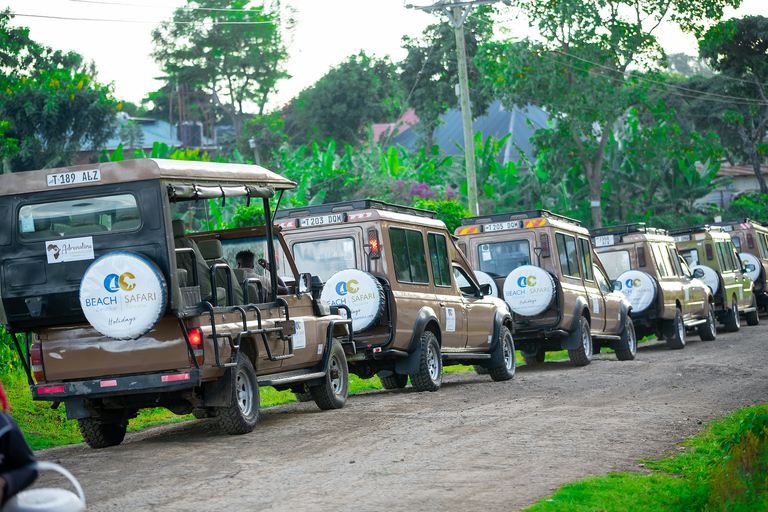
497	349
573	340
76	410
410	365
217	393
626	309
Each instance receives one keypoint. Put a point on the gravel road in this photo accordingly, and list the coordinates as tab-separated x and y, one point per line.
475	444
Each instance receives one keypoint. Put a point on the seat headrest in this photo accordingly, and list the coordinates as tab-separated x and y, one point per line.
86	219
126	215
179	230
211	249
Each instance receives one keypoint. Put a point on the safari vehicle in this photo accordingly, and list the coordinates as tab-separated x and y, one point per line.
711	250
751	241
544	267
414	300
120	311
667	300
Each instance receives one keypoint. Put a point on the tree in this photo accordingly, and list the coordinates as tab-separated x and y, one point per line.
51	106
739	49
236	52
584	72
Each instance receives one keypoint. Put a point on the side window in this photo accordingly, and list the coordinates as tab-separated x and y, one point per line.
722	257
566	249
676	262
736	242
734	256
438	255
664	271
586	258
408	256
761	238
602	281
664	254
465	283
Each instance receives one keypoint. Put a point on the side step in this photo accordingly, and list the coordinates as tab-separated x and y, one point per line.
695	323
464	355
289	377
606	337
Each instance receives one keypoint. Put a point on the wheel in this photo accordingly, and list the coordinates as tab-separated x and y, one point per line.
733	323
99	434
480	370
306	396
677	341
507	370
708	331
242	413
430	375
202	413
582	355
394	381
332	394
629	340
753	317
538	358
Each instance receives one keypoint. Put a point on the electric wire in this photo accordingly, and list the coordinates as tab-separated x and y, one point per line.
125	4
145	22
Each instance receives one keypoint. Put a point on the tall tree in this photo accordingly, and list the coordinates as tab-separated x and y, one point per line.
583	73
235	51
738	48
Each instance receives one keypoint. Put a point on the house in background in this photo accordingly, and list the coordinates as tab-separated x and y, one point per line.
742	180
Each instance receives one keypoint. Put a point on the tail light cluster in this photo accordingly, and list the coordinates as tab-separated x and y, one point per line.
708	249
641	257
196	340
373	244
750	241
36	358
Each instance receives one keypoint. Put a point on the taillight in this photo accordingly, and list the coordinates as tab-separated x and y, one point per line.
641	256
36	358
462	247
373	244
196	340
544	244
750	241
708	248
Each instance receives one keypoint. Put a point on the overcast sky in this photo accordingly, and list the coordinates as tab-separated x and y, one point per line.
326	33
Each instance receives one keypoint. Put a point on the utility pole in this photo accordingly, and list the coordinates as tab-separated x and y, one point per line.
454	12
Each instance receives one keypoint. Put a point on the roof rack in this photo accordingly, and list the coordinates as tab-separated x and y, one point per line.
734	221
526	214
691	229
348	206
623	229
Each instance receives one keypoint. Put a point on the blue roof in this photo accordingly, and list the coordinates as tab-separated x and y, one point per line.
155	130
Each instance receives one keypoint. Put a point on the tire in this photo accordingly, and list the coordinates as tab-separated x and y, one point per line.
99	434
582	355
430	375
201	413
333	392
629	339
303	397
537	359
242	414
677	341
753	317
507	370
733	323
708	331
480	370
394	381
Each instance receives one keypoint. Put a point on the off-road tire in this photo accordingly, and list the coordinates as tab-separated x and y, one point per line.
677	341
101	435
507	345
539	358
394	381
430	374
242	414
733	323
306	396
708	330
333	392
629	340
753	317
480	370
582	355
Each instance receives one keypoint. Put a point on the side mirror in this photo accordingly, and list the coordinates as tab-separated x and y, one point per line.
698	273
485	289
749	267
304	283
616	286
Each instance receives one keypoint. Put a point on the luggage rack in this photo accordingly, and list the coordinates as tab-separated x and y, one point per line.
694	229
351	206
625	229
525	214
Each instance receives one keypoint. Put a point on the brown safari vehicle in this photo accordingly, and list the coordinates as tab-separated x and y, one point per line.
667	298
711	249
415	302
560	297
751	241
120	311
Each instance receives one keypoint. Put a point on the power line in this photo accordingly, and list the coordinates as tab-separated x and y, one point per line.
124	4
145	22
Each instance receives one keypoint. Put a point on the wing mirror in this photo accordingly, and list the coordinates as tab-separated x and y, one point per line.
616	285
749	267
485	289
304	282
698	273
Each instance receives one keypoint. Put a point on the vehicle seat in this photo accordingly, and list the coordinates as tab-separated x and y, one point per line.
213	252
126	219
43	229
256	294
84	224
184	261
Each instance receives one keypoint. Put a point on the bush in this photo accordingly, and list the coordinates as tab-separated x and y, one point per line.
754	206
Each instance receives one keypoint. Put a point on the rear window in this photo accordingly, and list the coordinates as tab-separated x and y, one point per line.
615	262
691	256
737	242
78	217
501	258
324	258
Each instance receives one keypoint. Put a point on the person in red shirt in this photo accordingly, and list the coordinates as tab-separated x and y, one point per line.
16	456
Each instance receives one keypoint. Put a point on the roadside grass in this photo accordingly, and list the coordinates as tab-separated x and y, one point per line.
724	468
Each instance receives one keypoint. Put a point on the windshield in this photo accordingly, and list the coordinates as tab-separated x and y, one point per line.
691	256
615	262
323	258
257	245
501	258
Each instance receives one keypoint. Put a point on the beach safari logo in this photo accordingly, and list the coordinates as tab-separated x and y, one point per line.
360	292
639	288
342	288
633	283
529	290
122	295
72	249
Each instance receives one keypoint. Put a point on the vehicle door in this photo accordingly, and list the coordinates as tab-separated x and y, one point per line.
745	282
731	282
612	301
571	282
694	291
453	309
594	296
671	287
480	311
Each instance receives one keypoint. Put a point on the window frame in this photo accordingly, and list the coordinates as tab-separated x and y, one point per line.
586	265
408	255
447	259
558	237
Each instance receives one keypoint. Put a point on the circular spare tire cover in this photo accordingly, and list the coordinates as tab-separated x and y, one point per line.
360	292
747	258
639	287
484	278
529	290
123	295
710	277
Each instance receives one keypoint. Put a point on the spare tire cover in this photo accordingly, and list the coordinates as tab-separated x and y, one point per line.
640	288
529	290
710	277
484	278
360	292
123	295
747	258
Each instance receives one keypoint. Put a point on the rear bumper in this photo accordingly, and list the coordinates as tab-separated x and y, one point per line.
133	384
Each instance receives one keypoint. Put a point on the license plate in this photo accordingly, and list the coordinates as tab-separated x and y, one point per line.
726	228
501	226
682	238
603	241
322	220
74	177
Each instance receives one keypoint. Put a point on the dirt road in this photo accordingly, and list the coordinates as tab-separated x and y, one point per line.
474	444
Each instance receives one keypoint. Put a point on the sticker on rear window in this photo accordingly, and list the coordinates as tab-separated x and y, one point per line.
71	249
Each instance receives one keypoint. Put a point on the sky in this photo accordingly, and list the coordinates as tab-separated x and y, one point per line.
326	33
